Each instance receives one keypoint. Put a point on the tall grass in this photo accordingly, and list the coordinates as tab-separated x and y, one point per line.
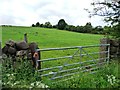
106	77
22	75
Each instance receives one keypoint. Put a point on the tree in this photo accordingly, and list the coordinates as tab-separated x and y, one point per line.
88	27
47	25
41	25
33	25
116	31
107	29
61	24
70	28
110	10
54	26
37	24
98	30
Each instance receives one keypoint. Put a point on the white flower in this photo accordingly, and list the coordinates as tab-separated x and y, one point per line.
17	82
111	79
37	83
8	82
30	87
12	85
32	84
3	83
8	75
111	82
46	86
51	72
41	85
12	74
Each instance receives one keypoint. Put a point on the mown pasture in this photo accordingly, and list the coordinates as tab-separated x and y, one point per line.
52	38
49	38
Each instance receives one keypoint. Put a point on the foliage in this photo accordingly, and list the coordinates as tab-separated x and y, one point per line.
88	28
47	25
107	77
115	31
33	25
61	24
21	74
37	24
98	30
110	10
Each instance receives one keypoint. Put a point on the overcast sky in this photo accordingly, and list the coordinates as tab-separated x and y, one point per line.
27	12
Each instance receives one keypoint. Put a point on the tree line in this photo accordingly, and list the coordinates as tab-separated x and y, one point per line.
88	28
109	9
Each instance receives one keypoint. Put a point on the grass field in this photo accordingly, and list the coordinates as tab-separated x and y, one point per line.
49	38
23	76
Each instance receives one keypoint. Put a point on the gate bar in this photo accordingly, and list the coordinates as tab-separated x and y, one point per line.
72	73
45	69
71	69
50	59
74	47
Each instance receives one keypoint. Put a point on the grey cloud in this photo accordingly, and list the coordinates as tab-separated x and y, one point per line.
6	19
10	20
43	11
37	6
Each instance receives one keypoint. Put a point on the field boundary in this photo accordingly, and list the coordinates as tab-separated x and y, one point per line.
80	52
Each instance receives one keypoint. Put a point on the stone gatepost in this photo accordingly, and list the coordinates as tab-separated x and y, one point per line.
103	48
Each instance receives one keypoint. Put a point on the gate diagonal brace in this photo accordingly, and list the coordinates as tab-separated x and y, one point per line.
88	55
60	68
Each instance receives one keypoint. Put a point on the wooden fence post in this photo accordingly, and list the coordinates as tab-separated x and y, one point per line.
25	38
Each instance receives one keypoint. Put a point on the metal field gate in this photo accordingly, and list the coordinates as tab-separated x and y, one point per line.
63	63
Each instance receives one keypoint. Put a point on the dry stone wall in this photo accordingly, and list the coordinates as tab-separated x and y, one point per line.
114	47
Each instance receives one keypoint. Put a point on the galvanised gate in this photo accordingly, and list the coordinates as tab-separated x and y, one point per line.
74	60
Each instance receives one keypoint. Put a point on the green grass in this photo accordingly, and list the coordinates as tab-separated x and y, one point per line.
49	38
24	76
106	77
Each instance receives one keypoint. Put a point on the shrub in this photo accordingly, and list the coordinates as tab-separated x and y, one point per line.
21	74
